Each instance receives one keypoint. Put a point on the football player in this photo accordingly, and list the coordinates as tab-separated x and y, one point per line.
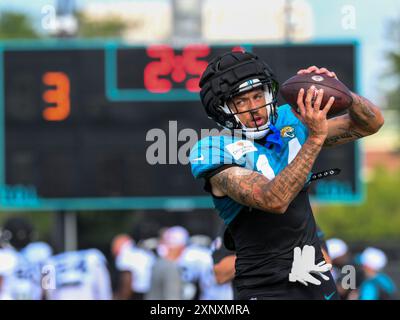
8	263
377	285
134	265
23	280
80	275
195	265
224	263
258	174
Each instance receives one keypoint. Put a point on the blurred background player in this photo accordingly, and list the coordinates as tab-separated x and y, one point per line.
80	275
340	256
376	30
134	265
8	263
324	247
166	281
190	261
212	288
224	262
377	285
195	264
24	281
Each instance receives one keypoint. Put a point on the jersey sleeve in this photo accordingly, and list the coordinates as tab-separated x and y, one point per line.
210	154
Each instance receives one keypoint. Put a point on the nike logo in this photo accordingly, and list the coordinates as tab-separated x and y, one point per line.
199	159
330	296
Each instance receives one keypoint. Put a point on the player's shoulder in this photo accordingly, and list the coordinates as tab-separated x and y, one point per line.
197	253
129	257
212	152
146	254
288	123
93	255
60	258
286	113
138	254
37	251
212	142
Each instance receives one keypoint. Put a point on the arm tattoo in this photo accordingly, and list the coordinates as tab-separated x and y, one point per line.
362	113
252	189
345	135
363	119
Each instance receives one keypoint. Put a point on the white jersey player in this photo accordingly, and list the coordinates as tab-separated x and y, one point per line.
23	280
139	262
196	265
8	263
80	275
197	270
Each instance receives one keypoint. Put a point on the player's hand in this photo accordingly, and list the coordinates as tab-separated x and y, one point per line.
311	114
309	260
318	71
304	267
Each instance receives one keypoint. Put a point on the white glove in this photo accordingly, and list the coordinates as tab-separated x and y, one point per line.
304	265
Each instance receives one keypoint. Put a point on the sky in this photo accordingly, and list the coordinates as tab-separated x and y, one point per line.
370	29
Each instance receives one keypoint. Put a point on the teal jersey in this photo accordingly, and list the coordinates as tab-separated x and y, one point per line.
213	152
380	287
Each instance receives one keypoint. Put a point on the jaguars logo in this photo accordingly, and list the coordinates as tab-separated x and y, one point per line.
287	132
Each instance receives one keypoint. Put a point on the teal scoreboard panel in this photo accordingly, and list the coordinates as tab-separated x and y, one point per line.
75	116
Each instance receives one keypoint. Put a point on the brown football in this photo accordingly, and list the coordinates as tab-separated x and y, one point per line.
332	87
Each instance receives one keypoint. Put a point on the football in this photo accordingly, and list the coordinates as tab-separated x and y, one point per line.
332	87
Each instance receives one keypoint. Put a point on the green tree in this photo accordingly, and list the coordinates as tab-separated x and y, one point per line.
378	218
16	26
111	27
393	96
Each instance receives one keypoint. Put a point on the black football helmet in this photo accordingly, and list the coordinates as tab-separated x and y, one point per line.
17	232
231	74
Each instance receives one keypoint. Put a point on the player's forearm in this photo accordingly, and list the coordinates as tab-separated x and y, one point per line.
365	114
288	183
225	269
254	190
124	291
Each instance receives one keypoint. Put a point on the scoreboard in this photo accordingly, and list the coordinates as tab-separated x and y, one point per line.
75	116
